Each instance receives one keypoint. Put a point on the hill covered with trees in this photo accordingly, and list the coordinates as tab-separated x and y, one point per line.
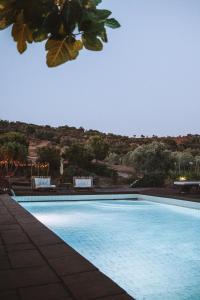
91	152
66	136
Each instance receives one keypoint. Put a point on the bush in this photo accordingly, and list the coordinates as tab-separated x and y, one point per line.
72	171
102	170
98	147
78	155
153	158
44	134
50	155
13	137
150	180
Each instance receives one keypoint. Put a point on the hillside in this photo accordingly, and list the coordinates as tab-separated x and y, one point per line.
64	136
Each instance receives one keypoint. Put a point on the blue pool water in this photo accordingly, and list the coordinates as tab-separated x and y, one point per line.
151	250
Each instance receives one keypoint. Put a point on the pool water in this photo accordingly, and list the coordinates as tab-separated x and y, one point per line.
151	250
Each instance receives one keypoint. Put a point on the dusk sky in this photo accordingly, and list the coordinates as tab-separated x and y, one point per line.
146	80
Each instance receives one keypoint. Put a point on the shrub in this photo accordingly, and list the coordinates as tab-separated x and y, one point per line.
150	180
72	171
98	146
102	170
78	155
50	155
153	158
13	137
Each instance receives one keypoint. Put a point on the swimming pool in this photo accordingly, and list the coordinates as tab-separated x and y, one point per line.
150	249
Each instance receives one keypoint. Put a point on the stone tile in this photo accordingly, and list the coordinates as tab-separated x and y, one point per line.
8	295
33	226
4	262
57	250
19	211
19	247
7	280
25	219
3	210
11	279
71	264
2	250
45	292
118	297
8	201
11	205
91	285
26	258
10	227
45	239
36	229
7	219
14	236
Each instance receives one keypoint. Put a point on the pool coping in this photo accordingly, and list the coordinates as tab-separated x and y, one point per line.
146	197
37	264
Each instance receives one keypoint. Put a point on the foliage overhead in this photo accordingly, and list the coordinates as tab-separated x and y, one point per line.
67	26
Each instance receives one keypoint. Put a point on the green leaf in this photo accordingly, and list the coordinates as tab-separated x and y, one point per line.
103	35
103	14
61	51
71	14
97	2
112	23
59	21
91	42
89	4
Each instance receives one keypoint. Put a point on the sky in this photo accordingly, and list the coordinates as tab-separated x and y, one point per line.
145	81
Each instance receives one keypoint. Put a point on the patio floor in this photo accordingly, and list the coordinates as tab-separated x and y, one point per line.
35	264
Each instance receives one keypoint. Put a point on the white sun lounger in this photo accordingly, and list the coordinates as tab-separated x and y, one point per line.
83	182
42	183
186	185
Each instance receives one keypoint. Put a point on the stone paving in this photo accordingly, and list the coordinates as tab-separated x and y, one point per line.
35	264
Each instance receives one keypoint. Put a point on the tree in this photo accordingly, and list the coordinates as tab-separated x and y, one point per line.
12	151
50	155
13	137
153	158
13	146
78	155
66	25
30	130
113	159
183	161
98	147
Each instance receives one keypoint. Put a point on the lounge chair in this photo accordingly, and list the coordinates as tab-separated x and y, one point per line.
83	182
42	183
187	186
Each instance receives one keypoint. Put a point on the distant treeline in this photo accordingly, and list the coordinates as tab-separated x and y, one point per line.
67	136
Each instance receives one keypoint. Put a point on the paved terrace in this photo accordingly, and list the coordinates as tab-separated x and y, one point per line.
35	264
